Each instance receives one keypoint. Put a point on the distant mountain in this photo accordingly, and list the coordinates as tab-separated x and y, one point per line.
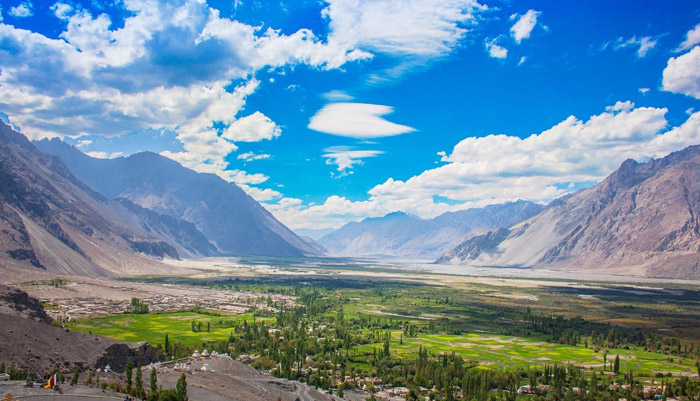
402	235
643	219
233	221
50	220
183	235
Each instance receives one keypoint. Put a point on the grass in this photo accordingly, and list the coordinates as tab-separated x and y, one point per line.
152	327
497	351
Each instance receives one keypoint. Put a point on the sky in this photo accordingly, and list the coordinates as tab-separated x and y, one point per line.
331	111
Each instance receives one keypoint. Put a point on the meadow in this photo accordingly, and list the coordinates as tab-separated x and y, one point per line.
152	327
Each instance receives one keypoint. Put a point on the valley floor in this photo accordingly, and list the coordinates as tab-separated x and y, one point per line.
371	316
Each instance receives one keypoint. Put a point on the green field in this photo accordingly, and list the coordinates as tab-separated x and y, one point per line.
496	351
152	327
487	350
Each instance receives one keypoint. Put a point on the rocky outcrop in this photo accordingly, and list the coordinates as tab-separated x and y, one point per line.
29	341
118	354
14	301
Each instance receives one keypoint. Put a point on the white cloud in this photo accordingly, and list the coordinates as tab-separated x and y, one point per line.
692	38
260	194
620	106
62	10
522	60
23	10
337	96
538	168
83	142
645	44
253	128
682	74
345	157
524	26
103	155
495	50
168	66
405	27
644	91
356	120
1	14
250	156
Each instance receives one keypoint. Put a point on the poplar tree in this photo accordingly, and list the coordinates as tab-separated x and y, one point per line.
128	372
139	383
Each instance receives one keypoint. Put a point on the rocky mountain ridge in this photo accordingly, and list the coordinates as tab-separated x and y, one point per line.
52	221
643	219
401	235
228	217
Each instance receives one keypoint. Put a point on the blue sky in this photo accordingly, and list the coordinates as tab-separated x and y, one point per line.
333	111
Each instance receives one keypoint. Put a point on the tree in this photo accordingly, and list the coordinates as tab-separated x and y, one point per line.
76	375
139	383
616	364
181	388
166	346
154	381
128	372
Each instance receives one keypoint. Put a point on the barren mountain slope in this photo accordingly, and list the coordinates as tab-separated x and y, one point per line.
643	219
222	211
53	222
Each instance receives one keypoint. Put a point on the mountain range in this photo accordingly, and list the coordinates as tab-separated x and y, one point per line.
69	213
228	217
643	219
402	235
66	212
52	221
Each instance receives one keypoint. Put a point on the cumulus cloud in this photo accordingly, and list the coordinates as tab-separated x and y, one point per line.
345	157
494	49
682	74
253	128
406	27
692	38
524	25
250	156
23	10
62	10
644	44
356	120
169	66
538	168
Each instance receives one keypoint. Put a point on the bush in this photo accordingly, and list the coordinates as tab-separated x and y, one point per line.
264	363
